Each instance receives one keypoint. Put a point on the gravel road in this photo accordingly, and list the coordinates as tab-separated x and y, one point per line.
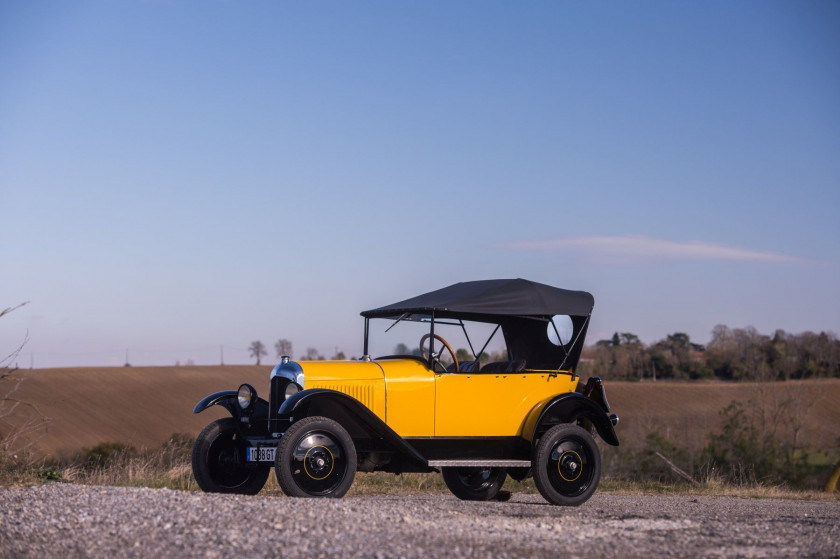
64	520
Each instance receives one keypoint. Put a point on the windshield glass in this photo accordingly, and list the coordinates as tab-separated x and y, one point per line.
403	338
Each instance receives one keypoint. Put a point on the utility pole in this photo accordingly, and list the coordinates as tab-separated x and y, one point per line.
31	360
222	354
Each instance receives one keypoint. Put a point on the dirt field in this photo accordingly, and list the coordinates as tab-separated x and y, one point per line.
143	406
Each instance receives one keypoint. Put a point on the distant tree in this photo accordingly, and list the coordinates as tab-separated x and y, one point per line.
628	338
283	347
679	340
313	355
257	350
498	355
463	354
339	355
401	349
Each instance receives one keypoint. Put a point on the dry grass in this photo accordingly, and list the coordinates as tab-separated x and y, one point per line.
713	488
166	468
19	469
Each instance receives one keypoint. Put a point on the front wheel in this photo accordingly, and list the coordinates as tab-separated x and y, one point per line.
218	461
474	484
567	465
315	458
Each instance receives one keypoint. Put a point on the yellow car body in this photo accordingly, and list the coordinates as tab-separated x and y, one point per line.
415	401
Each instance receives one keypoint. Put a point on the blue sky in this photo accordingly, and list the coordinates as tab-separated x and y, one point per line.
176	176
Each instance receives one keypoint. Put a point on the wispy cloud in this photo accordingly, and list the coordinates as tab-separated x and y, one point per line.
649	248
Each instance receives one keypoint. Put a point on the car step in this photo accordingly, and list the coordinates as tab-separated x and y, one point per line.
480	463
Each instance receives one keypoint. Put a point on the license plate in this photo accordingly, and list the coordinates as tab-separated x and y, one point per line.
261	454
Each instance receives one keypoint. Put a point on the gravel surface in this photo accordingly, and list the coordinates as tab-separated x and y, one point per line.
64	520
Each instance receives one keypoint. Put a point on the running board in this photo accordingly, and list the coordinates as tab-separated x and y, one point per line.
480	463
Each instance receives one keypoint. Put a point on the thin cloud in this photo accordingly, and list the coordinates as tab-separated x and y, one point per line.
649	248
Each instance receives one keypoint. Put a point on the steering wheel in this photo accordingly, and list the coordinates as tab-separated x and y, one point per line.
437	359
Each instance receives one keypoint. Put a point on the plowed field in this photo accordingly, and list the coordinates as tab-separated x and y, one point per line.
143	406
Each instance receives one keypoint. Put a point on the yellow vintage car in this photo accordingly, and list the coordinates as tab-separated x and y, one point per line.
427	409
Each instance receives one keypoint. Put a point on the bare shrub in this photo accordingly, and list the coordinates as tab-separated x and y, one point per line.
21	422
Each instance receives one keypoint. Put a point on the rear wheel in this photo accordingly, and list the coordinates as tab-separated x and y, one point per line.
474	484
218	461
567	465
316	458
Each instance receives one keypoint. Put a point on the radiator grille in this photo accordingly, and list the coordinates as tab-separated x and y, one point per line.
361	392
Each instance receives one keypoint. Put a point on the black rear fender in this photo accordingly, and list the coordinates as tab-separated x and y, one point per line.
570	408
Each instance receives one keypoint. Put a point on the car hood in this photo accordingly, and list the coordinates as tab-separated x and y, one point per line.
318	371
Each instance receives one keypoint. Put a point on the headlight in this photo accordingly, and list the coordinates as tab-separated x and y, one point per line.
246	396
292	389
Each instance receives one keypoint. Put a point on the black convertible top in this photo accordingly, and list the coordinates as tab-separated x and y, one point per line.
492	298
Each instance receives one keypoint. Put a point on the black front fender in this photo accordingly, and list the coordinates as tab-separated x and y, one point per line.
568	408
227	399
350	413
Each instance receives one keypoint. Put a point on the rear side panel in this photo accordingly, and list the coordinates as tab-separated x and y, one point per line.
490	405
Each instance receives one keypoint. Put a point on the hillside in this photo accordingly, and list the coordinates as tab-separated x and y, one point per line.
143	406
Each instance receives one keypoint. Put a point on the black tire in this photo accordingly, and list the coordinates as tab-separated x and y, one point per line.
218	461
567	465
316	458
474	484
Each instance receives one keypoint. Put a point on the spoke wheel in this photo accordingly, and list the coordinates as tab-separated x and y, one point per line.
218	461
316	458
474	484
567	465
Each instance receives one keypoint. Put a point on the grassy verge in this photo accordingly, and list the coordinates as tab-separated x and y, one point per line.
713	488
169	467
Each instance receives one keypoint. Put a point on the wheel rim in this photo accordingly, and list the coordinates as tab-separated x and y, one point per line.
571	467
476	479
318	463
224	462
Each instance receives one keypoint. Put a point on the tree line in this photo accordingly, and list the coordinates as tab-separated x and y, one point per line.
282	347
731	354
257	350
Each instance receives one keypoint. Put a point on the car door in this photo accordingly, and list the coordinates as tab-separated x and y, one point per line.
491	405
410	397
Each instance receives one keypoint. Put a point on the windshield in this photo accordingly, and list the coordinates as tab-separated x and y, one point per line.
402	337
